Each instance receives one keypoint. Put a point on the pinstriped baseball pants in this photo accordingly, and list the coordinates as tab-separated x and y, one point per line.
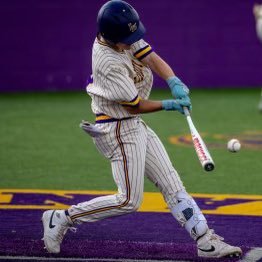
135	151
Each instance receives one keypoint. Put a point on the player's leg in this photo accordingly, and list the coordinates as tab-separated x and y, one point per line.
161	172
128	145
130	182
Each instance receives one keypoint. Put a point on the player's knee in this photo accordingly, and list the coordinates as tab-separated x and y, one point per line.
170	190
170	196
188	214
134	204
131	204
132	207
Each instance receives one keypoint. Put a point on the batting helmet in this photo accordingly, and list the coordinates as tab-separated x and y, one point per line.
118	22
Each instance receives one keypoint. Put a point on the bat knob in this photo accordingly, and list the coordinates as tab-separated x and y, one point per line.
209	167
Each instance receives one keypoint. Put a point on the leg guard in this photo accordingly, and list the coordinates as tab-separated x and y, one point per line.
188	214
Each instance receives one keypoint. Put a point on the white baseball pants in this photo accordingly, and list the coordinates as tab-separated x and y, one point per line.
135	151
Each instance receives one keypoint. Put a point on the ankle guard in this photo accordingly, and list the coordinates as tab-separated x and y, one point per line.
188	214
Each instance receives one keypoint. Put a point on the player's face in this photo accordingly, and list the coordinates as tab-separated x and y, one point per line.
123	46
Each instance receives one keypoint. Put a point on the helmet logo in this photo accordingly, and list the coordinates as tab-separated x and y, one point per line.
132	27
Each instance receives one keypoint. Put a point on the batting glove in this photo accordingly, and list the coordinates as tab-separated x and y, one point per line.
178	88
185	101
176	104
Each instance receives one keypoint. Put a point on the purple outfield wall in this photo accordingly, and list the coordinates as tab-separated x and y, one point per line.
46	44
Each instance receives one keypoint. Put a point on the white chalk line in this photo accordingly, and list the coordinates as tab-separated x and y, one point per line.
82	259
254	255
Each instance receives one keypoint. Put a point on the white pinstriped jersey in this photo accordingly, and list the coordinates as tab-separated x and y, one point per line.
134	150
119	79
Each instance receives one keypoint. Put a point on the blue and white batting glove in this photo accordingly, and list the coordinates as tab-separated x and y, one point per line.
185	101
176	104
178	88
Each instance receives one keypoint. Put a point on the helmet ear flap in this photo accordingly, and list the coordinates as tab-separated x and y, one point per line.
118	21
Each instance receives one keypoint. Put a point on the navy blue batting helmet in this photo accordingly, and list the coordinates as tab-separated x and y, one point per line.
118	22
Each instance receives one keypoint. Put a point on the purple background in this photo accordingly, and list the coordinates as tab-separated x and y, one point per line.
46	44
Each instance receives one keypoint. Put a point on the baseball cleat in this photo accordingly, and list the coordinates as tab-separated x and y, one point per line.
212	245
55	226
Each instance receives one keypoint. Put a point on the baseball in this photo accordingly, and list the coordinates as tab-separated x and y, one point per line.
233	145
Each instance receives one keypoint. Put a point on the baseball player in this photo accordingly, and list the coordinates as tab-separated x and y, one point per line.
257	10
122	65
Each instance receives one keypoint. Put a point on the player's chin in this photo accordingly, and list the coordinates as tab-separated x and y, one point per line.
123	46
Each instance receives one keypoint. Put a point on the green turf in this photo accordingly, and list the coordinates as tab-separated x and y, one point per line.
42	146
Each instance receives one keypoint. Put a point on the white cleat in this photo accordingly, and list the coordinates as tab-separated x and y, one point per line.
55	227
212	246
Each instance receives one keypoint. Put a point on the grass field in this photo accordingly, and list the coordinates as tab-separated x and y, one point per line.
42	146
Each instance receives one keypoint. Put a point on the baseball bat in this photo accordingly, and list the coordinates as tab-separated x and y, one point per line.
199	145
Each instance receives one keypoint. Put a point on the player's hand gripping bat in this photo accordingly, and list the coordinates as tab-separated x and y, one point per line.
200	147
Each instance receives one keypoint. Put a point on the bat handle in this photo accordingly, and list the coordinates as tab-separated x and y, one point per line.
186	111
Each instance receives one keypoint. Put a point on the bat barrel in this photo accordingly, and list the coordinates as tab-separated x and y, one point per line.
199	145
